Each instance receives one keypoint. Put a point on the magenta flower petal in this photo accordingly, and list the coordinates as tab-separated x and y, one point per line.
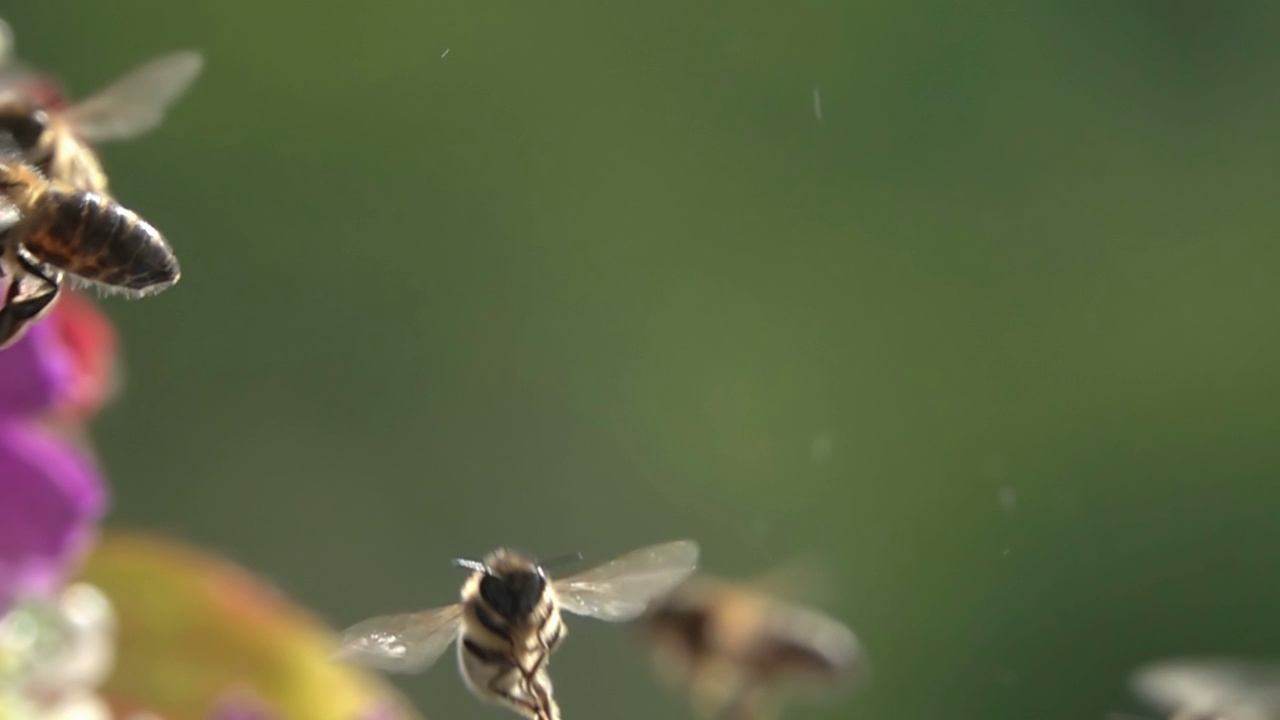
385	711
36	372
242	704
236	710
51	500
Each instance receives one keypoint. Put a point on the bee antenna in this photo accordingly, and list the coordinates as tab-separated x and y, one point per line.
562	560
472	565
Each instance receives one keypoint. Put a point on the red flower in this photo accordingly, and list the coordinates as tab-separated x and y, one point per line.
91	342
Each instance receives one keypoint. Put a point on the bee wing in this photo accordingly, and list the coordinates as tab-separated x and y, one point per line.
6	42
1213	686
621	589
407	643
801	579
135	103
14	76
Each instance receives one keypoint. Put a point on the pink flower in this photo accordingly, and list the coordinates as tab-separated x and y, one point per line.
241	703
35	373
52	495
51	498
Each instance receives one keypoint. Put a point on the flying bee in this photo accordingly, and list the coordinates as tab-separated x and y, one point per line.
49	227
730	646
1210	689
508	622
60	218
58	138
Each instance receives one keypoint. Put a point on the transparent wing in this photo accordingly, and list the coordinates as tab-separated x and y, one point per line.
13	75
1212	686
407	643
801	579
6	42
136	103
622	589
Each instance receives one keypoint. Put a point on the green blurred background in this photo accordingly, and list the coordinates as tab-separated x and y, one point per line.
993	332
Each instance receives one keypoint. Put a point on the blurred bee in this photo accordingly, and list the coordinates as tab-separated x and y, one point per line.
49	227
1210	689
508	622
731	646
58	139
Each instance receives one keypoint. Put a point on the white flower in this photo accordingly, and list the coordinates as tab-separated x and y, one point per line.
55	655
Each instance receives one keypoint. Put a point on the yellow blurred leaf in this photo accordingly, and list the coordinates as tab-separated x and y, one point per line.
194	626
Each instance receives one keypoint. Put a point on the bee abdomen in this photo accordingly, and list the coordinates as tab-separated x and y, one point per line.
483	654
489	621
93	237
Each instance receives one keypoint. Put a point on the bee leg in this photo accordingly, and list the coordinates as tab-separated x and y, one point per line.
525	707
508	695
536	685
22	305
540	687
537	666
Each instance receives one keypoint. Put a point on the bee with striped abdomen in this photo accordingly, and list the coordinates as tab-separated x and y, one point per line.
57	138
731	646
508	622
56	215
48	228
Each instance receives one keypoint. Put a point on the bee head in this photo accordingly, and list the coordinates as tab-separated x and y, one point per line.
509	583
23	121
513	594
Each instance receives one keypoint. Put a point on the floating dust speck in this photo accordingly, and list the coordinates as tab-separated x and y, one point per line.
820	448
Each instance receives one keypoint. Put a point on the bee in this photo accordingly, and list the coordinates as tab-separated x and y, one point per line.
1210	689
56	215
730	646
58	139
49	227
508	621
